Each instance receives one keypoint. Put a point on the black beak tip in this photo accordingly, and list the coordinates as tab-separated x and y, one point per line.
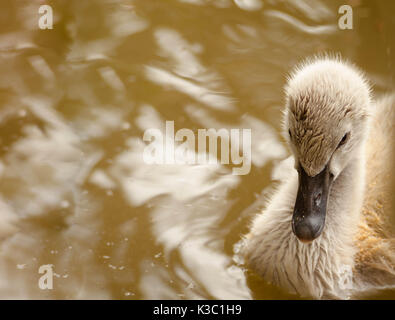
308	219
306	231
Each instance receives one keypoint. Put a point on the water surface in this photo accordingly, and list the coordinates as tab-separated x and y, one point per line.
76	100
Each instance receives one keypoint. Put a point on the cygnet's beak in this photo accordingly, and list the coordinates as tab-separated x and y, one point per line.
308	218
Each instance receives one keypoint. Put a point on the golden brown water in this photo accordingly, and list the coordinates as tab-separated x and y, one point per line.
75	101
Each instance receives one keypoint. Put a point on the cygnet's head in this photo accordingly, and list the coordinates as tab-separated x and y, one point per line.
325	124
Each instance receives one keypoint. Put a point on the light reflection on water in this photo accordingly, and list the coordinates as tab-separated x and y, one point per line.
75	101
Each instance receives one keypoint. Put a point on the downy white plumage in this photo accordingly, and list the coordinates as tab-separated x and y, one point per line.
325	232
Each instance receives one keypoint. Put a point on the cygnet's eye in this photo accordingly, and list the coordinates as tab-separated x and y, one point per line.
343	140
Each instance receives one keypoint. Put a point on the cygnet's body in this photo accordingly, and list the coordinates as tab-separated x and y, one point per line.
325	231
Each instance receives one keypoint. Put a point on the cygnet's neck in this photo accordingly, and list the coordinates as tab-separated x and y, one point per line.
346	198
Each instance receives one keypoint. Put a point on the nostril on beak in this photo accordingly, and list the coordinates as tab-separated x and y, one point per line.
317	199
